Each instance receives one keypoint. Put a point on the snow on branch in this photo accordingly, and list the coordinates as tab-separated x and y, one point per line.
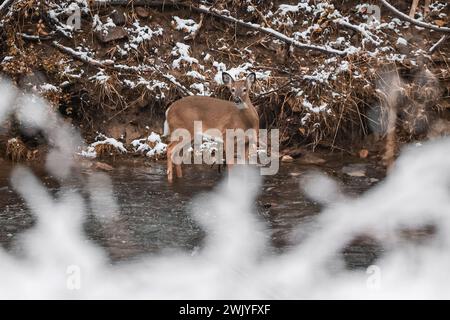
173	80
5	4
104	63
217	14
365	33
166	76
82	56
269	31
413	21
34	37
149	3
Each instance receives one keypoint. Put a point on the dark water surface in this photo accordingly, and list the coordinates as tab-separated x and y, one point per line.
154	216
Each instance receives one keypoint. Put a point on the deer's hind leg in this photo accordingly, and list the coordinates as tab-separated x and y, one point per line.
179	172
170	161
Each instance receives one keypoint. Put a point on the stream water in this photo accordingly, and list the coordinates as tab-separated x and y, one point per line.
154	216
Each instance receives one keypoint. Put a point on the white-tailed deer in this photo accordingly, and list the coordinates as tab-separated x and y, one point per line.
213	113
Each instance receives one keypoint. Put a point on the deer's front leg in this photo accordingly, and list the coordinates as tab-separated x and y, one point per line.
427	7
169	161
414	5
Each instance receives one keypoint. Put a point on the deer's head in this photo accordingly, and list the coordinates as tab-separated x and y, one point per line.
239	89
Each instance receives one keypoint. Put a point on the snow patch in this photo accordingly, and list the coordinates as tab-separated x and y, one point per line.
187	25
140	34
152	146
181	51
402	41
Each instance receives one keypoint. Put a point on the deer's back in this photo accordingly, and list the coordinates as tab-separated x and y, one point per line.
212	112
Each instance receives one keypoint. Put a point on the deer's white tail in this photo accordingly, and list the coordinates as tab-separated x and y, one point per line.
166	126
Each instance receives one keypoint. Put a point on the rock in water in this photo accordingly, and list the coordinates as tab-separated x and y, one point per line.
310	158
286	158
363	153
103	166
355	170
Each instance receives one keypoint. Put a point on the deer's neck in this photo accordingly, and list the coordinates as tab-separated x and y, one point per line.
249	113
246	105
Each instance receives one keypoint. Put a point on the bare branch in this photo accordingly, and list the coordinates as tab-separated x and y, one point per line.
413	21
277	89
437	44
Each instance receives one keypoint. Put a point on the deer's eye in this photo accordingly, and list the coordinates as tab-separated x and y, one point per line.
245	90
233	90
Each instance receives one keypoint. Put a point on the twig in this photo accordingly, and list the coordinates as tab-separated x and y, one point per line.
413	21
172	79
366	34
262	17
169	77
82	56
277	89
34	38
437	44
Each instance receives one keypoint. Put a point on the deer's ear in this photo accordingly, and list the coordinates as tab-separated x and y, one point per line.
251	78
226	78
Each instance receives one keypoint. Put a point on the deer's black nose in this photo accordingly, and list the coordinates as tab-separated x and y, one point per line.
237	100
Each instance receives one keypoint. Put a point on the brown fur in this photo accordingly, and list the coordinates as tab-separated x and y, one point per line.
214	114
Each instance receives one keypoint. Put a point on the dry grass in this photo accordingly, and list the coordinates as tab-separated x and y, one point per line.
16	150
108	94
106	150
